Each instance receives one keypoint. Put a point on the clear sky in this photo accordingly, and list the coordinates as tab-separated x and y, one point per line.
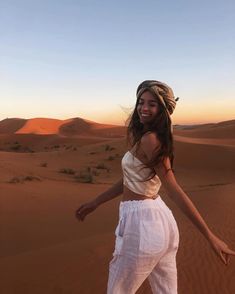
73	58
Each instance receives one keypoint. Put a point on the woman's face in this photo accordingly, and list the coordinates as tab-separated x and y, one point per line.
147	107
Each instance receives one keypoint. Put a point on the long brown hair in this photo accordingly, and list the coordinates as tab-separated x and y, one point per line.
161	126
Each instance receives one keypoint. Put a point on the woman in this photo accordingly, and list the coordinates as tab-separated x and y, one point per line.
147	236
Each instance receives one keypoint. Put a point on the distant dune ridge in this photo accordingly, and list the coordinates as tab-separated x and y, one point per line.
46	134
11	125
225	129
50	126
79	126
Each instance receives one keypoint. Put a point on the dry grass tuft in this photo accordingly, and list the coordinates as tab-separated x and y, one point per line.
22	179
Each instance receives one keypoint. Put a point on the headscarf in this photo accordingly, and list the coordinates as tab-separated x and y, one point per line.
162	91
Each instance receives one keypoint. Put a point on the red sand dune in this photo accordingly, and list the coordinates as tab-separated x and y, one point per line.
43	134
67	128
42	126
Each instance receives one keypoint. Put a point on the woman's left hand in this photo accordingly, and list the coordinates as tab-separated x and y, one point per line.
221	249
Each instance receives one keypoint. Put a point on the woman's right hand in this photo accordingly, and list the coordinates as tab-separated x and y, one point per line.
85	209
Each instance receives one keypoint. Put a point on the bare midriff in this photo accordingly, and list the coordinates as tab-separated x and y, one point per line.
130	195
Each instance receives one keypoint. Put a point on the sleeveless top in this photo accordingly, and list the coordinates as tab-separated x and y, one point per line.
134	176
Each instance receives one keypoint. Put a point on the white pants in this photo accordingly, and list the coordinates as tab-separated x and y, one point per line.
147	240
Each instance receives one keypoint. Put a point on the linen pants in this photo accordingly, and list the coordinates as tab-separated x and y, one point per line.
147	240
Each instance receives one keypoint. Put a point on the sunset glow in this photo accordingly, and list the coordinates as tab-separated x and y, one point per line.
86	59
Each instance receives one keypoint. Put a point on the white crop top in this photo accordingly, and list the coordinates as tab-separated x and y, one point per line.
134	176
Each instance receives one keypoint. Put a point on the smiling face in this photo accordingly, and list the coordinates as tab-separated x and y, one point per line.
147	107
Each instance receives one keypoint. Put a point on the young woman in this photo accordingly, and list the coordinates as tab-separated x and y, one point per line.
147	236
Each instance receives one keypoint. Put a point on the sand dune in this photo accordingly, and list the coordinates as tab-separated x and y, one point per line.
220	130
205	141
11	125
44	249
42	134
49	126
42	126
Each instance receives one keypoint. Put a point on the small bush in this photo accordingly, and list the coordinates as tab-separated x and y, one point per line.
111	157
22	179
31	178
108	148
43	164
68	171
15	180
16	147
101	166
28	149
84	177
95	172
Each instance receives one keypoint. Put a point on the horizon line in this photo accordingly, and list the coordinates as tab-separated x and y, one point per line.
105	123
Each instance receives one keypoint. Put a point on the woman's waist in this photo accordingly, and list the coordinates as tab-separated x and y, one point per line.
131	195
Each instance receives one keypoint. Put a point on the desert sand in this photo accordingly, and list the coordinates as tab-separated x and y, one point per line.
49	167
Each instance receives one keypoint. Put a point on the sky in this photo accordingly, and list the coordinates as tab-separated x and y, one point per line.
73	58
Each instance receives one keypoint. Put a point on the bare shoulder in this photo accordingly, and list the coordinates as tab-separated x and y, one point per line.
150	138
150	143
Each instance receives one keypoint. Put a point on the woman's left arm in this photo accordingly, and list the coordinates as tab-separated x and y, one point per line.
176	193
149	144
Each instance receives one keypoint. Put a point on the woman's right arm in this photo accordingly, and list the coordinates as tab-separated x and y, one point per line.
107	195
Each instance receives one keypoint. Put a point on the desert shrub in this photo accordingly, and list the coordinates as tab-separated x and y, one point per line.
101	166
111	157
15	180
43	164
68	171
22	179
31	178
107	147
84	177
28	149
16	147
95	172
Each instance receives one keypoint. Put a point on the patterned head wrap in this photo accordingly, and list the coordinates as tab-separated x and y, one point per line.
164	94
162	91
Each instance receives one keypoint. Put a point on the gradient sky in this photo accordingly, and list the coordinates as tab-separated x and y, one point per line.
67	58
